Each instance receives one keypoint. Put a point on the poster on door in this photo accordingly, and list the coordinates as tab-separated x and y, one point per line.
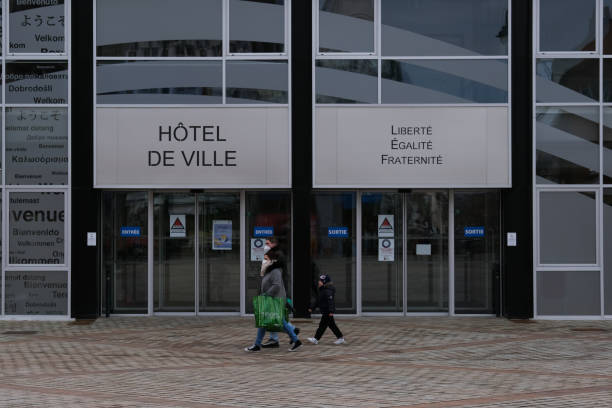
222	235
385	226
178	226
257	249
386	250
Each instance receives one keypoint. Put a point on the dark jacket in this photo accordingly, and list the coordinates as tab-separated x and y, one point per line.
325	301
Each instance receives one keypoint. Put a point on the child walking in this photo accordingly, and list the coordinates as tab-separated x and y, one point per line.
327	306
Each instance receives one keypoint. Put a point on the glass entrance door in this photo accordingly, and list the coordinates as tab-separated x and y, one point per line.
174	252
197	245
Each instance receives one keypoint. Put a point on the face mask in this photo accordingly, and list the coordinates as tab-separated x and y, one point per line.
264	265
266	248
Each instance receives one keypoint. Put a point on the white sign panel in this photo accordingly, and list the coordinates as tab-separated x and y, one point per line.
91	239
257	249
386	250
385	226
193	147
511	239
423	249
411	147
178	226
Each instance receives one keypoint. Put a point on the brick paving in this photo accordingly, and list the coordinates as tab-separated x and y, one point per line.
425	362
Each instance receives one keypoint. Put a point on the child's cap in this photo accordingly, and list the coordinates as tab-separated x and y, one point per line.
325	279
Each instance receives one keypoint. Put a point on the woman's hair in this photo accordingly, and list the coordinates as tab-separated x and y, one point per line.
275	254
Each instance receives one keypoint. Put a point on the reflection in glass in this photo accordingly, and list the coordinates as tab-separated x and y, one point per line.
448	81
36	226
467	27
36	293
381	275
257	82
427	252
36	27
346	25
333	252
568	227
567	80
178	28
267	209
37	146
219	239
567	25
37	82
124	250
347	81
567	145
607	249
174	252
607	26
477	257
607	145
568	293
257	26
159	82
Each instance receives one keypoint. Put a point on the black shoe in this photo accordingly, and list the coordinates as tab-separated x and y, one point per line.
296	346
270	344
252	349
296	331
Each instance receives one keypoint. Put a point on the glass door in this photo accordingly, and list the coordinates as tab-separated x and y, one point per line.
426	251
174	252
219	252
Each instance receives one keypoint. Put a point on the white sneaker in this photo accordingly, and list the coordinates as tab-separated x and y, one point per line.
313	340
339	341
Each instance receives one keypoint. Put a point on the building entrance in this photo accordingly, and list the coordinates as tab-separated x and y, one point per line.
430	252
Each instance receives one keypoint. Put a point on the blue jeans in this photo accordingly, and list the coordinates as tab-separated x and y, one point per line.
261	332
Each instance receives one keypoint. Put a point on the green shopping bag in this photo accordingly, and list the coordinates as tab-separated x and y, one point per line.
269	312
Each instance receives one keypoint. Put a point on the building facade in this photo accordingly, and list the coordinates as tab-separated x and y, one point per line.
440	157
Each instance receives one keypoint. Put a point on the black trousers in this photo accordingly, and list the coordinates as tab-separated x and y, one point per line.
327	320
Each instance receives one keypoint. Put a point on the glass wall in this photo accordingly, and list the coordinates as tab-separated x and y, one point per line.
35	184
572	156
202	62
461	59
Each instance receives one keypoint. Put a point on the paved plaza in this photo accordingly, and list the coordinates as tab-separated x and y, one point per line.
424	362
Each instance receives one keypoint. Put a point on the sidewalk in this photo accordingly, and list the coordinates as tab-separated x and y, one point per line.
428	362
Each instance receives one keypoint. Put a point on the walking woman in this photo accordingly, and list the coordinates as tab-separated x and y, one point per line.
272	285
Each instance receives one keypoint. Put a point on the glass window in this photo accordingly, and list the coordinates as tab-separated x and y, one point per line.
257	82
36	293
567	145
567	25
37	146
607	80
36	26
607	26
448	81
159	82
567	80
37	82
607	250
346	26
36	226
347	81
333	240
568	229
467	27
607	145
257	26
568	293
124	250
266	210
178	28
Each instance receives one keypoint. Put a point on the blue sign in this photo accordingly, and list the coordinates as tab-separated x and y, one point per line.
337	232
473	232
130	231
263	232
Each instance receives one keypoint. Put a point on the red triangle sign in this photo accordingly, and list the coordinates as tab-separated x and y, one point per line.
177	223
385	224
